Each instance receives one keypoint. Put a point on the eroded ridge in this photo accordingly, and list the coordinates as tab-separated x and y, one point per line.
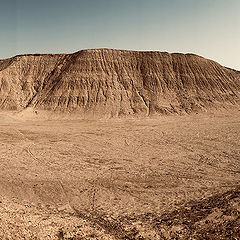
115	82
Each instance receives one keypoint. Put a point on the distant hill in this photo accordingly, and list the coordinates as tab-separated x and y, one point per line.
117	82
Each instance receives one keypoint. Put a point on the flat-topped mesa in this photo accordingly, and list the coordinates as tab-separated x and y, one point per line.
117	82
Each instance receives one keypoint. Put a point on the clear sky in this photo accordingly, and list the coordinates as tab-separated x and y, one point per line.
210	28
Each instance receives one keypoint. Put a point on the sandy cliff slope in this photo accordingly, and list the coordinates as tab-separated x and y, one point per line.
115	82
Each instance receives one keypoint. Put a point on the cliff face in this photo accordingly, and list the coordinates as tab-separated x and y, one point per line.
22	77
114	83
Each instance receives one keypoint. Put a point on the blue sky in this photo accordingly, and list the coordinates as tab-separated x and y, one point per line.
210	28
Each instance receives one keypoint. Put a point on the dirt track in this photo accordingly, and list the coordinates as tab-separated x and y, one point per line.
115	179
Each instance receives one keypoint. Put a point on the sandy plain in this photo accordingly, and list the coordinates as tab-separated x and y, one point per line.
173	177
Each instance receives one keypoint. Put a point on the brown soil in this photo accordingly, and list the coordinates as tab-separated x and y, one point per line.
174	177
135	173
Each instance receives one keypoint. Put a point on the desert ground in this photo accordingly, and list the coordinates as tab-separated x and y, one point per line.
167	177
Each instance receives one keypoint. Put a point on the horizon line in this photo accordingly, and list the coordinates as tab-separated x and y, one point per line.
113	49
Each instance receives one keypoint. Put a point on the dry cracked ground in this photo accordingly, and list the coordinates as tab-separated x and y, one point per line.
175	177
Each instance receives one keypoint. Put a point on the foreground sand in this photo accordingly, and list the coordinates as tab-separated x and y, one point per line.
153	178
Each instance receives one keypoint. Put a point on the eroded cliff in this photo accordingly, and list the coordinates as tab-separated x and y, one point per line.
114	83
